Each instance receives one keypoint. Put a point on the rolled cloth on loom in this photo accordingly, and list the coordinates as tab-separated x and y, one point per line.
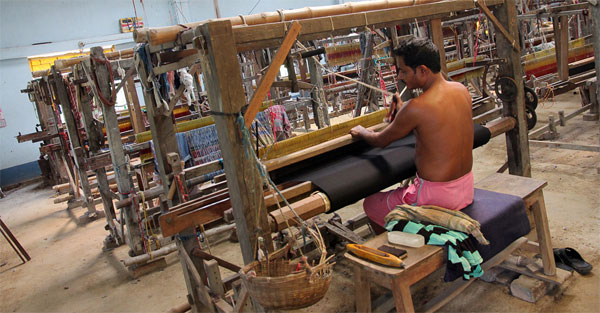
358	170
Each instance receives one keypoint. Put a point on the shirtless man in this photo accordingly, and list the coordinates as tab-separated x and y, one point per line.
441	119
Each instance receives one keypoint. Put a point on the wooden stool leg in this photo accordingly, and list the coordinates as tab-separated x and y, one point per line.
362	290
402	296
543	234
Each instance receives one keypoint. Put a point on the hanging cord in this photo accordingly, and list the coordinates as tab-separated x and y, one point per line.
152	80
113	95
316	236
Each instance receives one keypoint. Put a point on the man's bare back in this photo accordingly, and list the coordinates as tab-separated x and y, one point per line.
444	131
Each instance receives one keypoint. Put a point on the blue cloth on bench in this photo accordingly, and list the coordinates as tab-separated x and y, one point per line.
503	220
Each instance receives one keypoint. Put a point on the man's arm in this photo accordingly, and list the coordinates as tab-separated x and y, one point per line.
405	121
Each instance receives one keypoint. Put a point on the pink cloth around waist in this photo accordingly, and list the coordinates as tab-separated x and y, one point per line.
454	195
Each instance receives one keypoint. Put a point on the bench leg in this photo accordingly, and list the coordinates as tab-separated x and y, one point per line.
362	290
402	296
543	234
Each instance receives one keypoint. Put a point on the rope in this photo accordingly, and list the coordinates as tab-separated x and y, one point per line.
184	195
113	95
205	237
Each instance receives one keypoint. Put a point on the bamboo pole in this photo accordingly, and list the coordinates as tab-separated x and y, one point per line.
162	35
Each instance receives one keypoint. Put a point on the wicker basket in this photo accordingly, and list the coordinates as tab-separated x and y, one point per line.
277	285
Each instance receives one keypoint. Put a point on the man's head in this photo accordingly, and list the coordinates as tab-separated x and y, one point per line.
417	60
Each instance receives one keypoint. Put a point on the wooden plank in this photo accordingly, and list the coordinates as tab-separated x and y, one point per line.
522	187
267	79
437	36
517	144
561	39
135	111
37	136
559	278
225	92
215	282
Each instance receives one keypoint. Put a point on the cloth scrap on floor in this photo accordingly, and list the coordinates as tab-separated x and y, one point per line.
463	257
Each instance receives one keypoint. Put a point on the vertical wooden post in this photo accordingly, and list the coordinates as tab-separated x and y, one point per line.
289	64
368	70
77	149
517	142
135	111
561	39
161	127
318	105
95	140
226	96
437	36
595	13
117	154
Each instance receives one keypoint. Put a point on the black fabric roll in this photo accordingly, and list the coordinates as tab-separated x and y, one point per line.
358	170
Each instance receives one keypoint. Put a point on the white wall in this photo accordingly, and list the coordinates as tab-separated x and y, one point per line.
33	27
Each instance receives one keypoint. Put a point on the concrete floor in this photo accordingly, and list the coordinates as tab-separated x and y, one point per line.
70	273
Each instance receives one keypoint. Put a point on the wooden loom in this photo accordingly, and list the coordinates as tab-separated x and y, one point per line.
220	43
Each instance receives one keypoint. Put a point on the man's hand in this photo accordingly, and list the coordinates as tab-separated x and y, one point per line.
394	107
358	132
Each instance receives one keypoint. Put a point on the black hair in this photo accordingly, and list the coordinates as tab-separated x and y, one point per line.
417	51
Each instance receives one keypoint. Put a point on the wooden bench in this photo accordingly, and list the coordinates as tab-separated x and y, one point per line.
420	262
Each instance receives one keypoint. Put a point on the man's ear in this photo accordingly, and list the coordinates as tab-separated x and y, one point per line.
422	69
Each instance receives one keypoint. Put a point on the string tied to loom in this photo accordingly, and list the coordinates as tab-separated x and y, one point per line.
262	170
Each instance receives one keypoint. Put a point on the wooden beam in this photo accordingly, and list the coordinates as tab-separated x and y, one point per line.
111	123
269	77
225	93
269	35
95	140
135	111
561	39
437	36
77	148
517	144
316	79
499	26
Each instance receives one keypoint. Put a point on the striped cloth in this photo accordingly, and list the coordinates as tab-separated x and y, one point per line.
463	257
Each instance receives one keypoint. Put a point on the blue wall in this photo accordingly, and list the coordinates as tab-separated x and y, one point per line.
34	27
